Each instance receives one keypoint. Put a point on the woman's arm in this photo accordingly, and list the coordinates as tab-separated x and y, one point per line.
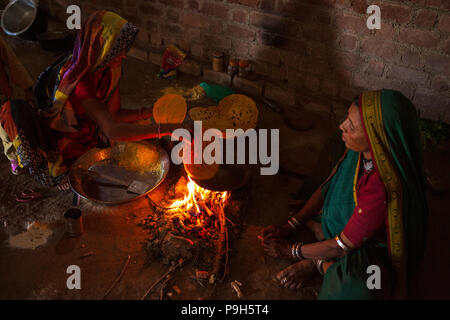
327	249
125	115
311	207
120	131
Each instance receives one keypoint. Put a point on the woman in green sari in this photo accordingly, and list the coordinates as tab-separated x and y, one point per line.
372	209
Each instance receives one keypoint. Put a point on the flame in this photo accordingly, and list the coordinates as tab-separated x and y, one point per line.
198	204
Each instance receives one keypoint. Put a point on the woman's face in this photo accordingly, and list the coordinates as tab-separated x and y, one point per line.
353	131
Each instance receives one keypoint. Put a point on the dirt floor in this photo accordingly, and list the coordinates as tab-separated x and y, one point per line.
33	263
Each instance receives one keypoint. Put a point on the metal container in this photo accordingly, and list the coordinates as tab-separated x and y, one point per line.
74	222
24	19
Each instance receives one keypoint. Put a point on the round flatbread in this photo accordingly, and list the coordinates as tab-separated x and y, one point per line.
233	112
170	108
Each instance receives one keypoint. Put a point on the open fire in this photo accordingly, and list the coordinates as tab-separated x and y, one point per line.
197	208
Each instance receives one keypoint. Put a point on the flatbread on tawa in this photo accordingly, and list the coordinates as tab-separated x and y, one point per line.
233	112
170	108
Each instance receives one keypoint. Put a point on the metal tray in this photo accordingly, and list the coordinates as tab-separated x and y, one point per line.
101	160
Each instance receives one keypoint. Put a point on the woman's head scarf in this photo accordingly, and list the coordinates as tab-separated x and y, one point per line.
391	126
104	36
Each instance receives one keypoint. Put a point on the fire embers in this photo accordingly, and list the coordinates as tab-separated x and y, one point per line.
187	224
199	208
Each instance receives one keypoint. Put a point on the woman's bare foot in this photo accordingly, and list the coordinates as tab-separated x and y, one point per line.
294	276
277	247
64	185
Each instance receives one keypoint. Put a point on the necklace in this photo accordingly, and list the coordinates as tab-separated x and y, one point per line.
368	165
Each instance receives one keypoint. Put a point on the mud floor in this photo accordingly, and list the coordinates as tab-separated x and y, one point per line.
34	262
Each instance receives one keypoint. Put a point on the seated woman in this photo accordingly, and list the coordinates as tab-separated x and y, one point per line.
372	208
12	74
83	108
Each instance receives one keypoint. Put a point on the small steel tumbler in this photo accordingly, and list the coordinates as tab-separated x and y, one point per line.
74	222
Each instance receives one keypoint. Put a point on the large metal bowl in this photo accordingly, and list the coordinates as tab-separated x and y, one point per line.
23	18
101	160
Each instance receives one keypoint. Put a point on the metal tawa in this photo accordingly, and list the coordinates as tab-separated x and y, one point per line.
98	189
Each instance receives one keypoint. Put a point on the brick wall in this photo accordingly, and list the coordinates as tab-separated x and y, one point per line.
302	49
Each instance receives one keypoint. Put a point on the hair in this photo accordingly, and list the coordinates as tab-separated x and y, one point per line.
356	101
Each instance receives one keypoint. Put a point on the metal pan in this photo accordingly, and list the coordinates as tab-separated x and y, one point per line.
102	161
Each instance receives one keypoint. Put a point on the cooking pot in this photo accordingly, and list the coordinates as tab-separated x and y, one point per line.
220	177
23	18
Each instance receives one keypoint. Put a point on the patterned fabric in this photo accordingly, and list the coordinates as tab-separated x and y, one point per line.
104	36
49	139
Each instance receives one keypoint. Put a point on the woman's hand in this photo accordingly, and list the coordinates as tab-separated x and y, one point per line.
277	248
273	231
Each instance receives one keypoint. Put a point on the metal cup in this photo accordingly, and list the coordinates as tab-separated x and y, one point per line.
74	222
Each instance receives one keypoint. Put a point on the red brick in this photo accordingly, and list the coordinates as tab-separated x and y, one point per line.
440	84
142	37
240	48
277	73
348	42
342	3
290	59
156	39
429	98
295	9
281	42
274	24
150	9
194	20
318	50
375	68
443	4
192	4
359	6
217	42
216	27
444	23
378	48
173	15
282	95
419	2
329	3
268	5
407	74
264	53
437	63
248	3
329	87
174	3
445	46
295	78
425	18
312	83
419	38
314	66
398	13
191	67
197	50
221	78
214	9
254	87
351	23
234	31
239	15
410	58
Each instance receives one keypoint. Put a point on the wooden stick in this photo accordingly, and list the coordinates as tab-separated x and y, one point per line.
171	269
118	278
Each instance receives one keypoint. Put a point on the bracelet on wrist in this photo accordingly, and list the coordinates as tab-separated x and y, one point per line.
342	244
319	265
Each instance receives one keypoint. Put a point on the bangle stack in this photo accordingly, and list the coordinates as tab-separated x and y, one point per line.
319	265
296	251
293	223
342	244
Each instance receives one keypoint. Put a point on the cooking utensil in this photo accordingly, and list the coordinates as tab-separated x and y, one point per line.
300	123
23	18
135	186
101	160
